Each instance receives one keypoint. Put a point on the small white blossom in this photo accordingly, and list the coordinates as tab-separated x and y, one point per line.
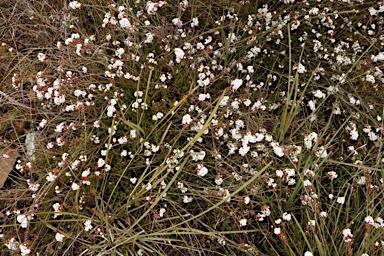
88	225
24	250
370	78
51	177
277	149
319	94
186	119
235	84
75	186
100	163
187	199
59	237
201	170
195	22
12	244
74	5
369	220
41	57
179	54
379	57
161	212
287	216
321	152
243	222
347	234
300	68
341	200
23	220
124	23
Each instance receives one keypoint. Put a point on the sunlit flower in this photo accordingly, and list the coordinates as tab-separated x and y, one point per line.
243	222
59	237
88	225
74	5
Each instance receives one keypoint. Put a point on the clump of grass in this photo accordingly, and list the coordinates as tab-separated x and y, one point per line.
186	127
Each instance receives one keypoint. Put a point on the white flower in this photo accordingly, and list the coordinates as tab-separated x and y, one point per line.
378	57
33	186
88	225
187	199
57	208
277	231
152	7
301	68
221	241
203	97
100	163
43	123
247	200
23	220
370	78
323	214
312	223
341	200
158	116
24	250
244	150
307	183
347	234
149	38
321	152
41	56
295	24
369	220
201	170
243	222
124	23
287	216
312	105
218	180
235	84
198	156
319	94
51	177
353	131
277	149
75	186
59	237
307	253
74	5
332	175
195	22
122	140
161	212
179	54
177	22
132	134
12	244
186	119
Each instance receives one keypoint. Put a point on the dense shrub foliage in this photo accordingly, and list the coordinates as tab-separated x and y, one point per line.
193	127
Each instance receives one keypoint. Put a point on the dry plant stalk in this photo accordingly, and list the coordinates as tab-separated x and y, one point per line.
7	161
